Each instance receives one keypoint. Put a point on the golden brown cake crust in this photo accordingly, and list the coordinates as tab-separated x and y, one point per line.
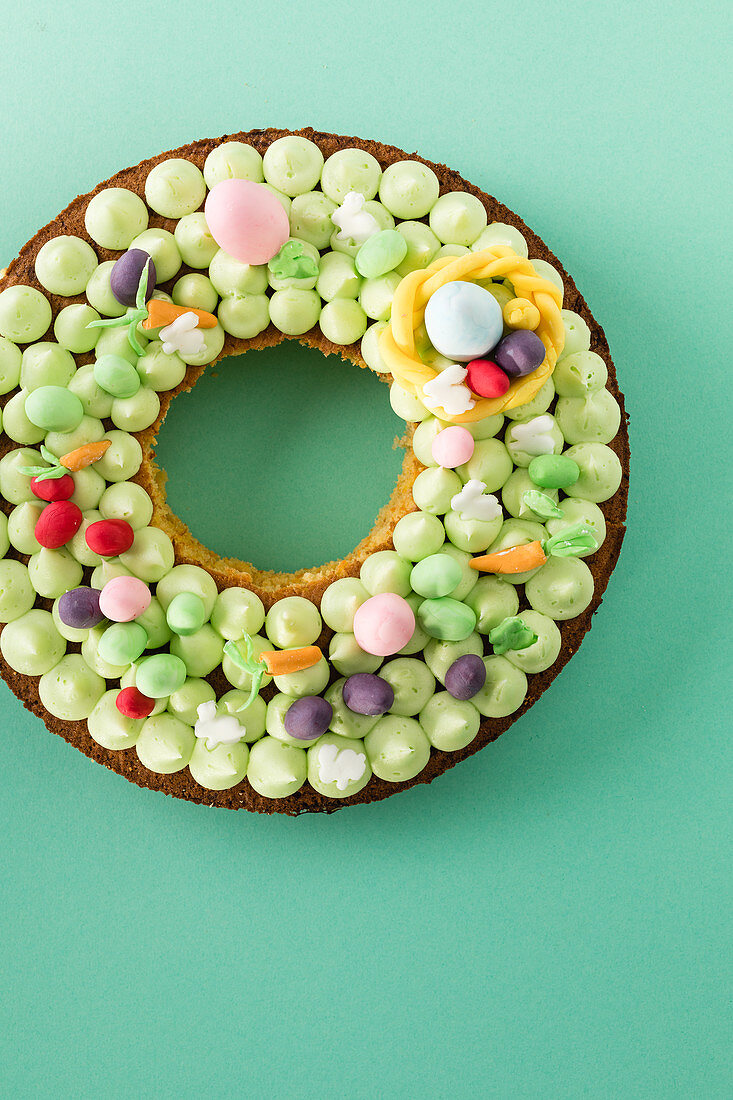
312	582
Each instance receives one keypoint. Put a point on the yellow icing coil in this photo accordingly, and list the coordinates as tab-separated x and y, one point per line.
397	342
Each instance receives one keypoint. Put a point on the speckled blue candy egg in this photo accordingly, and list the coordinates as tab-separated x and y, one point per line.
463	321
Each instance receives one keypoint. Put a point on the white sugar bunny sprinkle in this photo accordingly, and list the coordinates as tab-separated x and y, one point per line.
448	391
473	503
183	335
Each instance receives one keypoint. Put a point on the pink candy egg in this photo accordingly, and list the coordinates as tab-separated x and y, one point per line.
384	624
124	598
246	220
452	447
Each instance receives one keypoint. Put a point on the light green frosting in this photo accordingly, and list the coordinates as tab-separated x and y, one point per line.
397	748
436	575
128	501
114	217
311	681
434	488
386	571
21	527
174	188
109	728
165	744
71	689
561	589
413	684
232	277
95	660
197	292
233	160
151	555
518	454
350	170
220	768
340	602
492	599
500	233
15	486
338	766
31	644
600	472
237	676
275	769
244	317
504	690
592	419
343	321
347	657
184	702
122	643
293	622
161	246
449	724
95	401
133	414
577	333
64	265
25	314
440	655
16	424
337	277
422	246
194	240
409	189
77	546
99	292
201	652
418	535
236	612
46	364
575	511
251	717
375	296
490	463
471	535
458	218
53	572
10	365
405	404
294	311
293	165
71	328
310	218
160	370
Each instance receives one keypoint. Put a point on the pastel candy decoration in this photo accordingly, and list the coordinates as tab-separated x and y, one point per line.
79	608
246	220
133	704
486	378
124	278
384	624
463	321
57	524
124	598
520	353
53	489
452	447
109	537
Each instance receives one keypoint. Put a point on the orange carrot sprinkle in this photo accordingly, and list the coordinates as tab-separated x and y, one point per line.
515	559
85	456
280	662
164	313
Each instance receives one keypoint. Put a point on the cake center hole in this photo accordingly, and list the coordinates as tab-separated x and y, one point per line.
281	457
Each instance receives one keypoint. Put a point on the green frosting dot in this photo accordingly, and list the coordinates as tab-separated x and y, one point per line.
458	218
219	768
236	612
10	365
275	769
71	328
446	619
201	652
386	571
115	217
413	684
128	501
545	649
343	321
53	572
293	622
500	233
161	246
504	689
579	374
197	292
25	314
350	170
232	160
577	334
422	247
64	265
338	766
337	277
449	724
345	722
293	165
46	364
340	602
440	655
294	311
160	675
347	657
246	316
600	472
71	689
111	729
418	535
151	555
409	189
174	188
194	240
397	748
31	644
165	743
492	600
310	219
561	589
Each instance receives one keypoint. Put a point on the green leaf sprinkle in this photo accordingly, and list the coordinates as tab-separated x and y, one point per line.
248	663
511	633
541	504
571	542
292	262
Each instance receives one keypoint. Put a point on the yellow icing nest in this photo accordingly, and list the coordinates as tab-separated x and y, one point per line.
397	342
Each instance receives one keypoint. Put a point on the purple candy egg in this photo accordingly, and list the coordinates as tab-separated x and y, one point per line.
367	693
308	718
79	608
519	352
465	677
124	278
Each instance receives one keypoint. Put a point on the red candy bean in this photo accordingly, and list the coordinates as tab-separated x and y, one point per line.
53	488
57	524
486	378
110	537
133	704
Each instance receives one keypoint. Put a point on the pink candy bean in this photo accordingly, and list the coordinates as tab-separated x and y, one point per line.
124	598
384	624
246	220
453	446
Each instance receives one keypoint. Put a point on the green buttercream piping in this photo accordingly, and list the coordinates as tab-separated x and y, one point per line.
45	473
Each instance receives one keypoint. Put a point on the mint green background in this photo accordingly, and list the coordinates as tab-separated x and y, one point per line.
548	920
